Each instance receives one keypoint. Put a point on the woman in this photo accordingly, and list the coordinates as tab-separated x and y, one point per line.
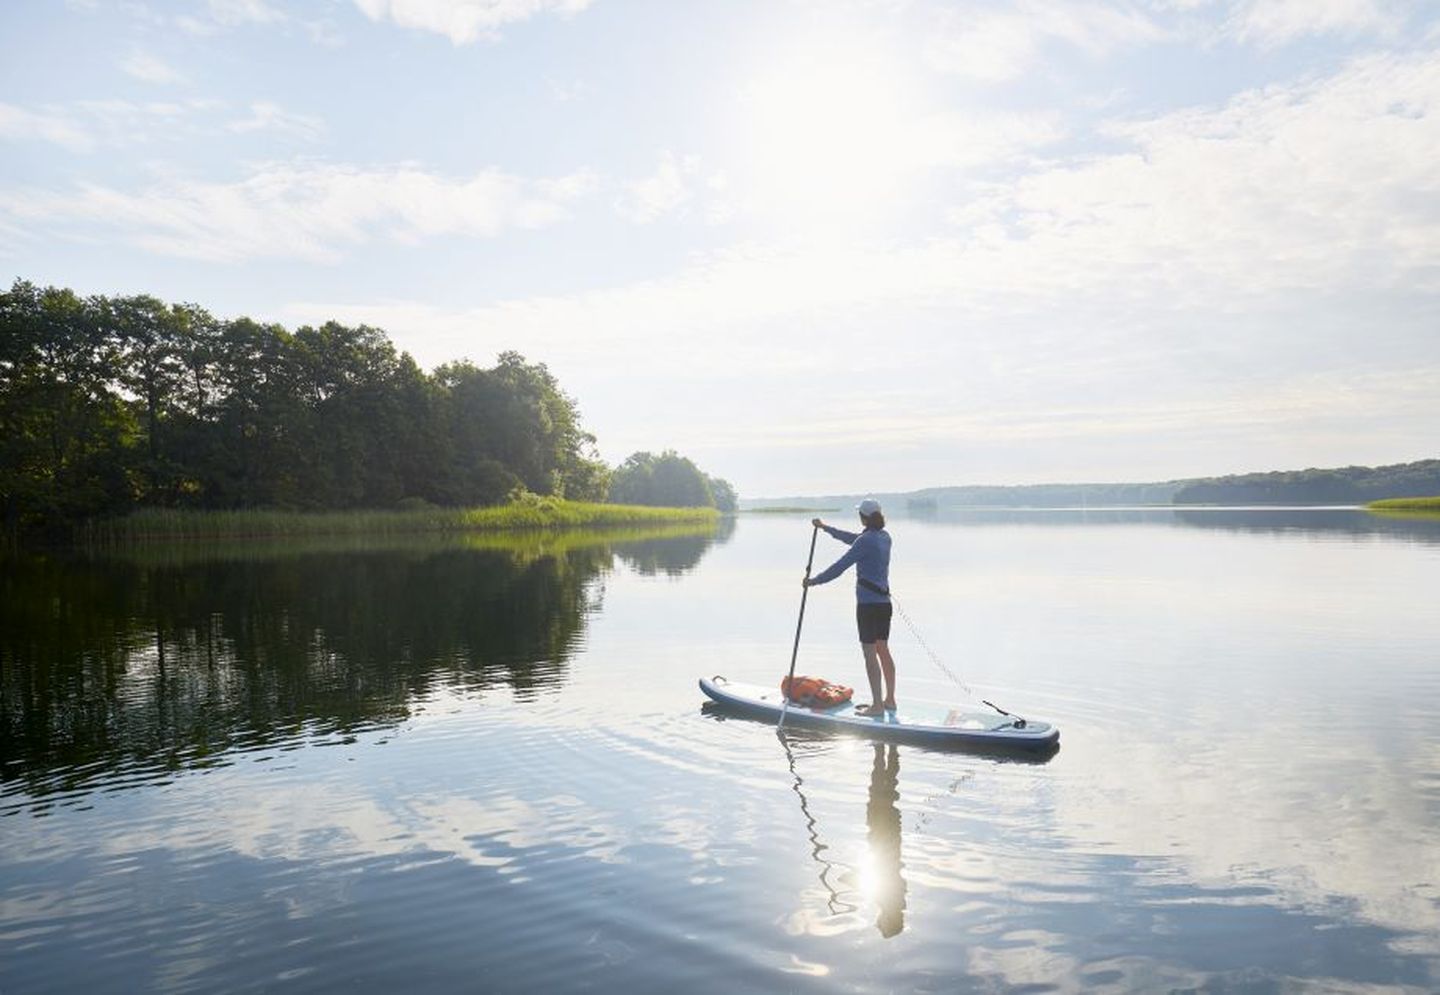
870	553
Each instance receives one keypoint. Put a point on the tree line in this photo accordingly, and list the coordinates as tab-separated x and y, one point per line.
112	403
1341	485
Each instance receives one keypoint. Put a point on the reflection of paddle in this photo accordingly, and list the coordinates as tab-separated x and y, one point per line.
836	903
805	590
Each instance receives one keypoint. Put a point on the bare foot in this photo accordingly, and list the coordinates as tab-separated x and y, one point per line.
890	705
869	711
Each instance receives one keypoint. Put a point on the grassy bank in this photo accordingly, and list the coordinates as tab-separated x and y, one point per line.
522	545
1430	504
528	513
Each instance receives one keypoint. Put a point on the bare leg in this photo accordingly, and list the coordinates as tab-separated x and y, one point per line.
872	673
887	666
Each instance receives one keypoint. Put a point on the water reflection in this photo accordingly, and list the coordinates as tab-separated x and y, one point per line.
882	821
879	880
1420	528
671	554
124	666
1248	797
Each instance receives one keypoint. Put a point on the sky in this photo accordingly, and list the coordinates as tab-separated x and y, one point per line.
818	246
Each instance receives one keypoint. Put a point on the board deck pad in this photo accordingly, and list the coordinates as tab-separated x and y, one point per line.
931	723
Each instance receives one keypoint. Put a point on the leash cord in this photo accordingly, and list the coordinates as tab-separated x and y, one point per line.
935	659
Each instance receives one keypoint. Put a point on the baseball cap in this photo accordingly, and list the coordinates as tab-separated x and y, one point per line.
868	507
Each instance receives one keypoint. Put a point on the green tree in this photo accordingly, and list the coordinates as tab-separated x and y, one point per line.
106	403
668	480
726	499
67	432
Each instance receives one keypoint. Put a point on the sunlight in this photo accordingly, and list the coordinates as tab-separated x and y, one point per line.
827	132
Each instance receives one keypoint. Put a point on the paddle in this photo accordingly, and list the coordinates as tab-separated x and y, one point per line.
804	591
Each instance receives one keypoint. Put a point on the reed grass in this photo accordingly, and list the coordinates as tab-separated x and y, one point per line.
1429	504
526	513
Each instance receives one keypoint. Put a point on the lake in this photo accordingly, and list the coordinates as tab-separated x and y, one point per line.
484	764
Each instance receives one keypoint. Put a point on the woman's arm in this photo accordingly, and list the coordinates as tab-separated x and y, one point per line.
846	537
835	569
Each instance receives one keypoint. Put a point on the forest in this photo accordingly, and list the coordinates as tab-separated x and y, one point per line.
109	404
1342	485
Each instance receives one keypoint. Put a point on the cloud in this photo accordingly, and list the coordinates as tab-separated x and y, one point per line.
663	192
1323	187
265	116
85	125
19	124
1270	23
1312	185
237	12
222	14
464	21
1269	260
300	210
144	66
999	43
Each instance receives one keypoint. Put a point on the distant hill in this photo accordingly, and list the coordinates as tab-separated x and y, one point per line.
1344	485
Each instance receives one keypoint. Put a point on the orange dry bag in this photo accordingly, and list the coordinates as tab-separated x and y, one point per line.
815	692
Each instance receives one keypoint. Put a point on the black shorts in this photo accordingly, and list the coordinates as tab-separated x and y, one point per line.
873	620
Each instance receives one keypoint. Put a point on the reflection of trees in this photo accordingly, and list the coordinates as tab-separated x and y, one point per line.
156	661
1324	520
1270	520
672	556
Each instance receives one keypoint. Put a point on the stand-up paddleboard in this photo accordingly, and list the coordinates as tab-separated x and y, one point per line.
934	725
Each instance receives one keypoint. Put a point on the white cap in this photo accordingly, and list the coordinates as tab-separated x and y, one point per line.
868	507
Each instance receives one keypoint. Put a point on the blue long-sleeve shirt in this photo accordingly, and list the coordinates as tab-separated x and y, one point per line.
870	553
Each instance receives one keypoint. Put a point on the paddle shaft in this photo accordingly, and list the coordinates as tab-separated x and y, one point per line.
804	593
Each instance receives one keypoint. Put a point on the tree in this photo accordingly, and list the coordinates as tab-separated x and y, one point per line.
67	433
111	403
668	480
726	499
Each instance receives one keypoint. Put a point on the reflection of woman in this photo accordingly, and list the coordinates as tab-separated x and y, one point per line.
882	822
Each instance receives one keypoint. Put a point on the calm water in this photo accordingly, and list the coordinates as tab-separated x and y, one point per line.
481	766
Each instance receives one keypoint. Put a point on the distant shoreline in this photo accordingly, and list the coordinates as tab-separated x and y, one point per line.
1350	486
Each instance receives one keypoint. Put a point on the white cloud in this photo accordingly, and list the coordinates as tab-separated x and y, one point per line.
19	124
995	43
564	91
1261	262
301	210
144	66
265	116
1274	22
1325	188
464	21
665	191
1313	185
85	125
220	14
236	12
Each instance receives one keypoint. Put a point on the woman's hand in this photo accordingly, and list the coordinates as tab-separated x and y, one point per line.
817	523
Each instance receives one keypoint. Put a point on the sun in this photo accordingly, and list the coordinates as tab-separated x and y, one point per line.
827	131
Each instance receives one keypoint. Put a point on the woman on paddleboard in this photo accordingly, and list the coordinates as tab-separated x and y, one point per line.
870	553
